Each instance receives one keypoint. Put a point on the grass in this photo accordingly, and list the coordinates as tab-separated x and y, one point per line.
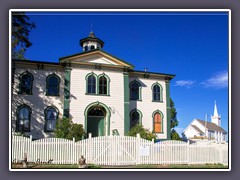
147	166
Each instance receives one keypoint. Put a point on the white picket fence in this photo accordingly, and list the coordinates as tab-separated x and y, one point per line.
116	150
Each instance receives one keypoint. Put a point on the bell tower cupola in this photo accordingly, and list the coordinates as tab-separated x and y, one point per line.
91	42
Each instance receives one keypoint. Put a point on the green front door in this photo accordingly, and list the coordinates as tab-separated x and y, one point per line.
95	125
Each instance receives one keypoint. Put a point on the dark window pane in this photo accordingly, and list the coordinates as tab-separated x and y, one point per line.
91	84
23	119
134	119
92	47
53	86
156	93
96	112
51	119
156	88
135	91
26	84
103	85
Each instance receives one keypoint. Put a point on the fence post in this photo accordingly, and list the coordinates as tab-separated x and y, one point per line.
188	150
90	156
138	149
29	148
89	135
220	153
153	153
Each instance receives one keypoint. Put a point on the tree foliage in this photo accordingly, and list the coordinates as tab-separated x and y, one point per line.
65	128
175	135
174	121
144	133
21	28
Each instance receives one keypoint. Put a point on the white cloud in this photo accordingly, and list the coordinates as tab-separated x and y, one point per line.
219	80
184	83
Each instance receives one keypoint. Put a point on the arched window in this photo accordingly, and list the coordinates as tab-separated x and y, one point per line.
26	83
91	84
102	85
92	47
158	122
135	118
135	90
157	92
23	118
51	116
52	88
85	48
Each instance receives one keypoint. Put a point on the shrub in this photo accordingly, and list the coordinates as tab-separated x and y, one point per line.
65	128
144	133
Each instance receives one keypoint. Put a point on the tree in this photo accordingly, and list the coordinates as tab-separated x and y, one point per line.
21	28
175	135
65	128
144	133
174	121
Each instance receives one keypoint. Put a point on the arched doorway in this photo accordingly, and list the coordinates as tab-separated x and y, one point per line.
96	121
97	116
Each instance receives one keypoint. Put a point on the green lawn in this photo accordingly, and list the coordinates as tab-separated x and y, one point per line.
92	166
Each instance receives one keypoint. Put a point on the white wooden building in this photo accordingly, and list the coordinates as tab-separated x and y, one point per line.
93	88
203	129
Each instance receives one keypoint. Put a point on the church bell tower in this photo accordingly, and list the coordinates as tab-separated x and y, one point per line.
216	118
91	42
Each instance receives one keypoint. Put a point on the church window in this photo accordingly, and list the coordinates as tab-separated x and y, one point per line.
135	118
23	118
26	83
51	116
135	90
52	88
85	48
157	92
102	85
91	86
158	122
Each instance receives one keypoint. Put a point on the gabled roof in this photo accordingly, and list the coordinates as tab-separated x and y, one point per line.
211	126
97	52
197	129
169	76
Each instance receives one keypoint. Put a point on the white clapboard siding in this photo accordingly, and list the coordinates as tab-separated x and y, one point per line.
38	101
115	100
147	101
117	151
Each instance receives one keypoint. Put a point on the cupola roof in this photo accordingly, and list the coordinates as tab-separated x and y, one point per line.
91	38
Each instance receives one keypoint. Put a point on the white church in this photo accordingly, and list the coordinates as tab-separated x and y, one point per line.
203	129
93	88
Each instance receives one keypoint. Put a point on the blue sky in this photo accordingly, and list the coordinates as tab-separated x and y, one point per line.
191	45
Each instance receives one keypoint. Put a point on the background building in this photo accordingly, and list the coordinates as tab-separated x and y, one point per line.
203	129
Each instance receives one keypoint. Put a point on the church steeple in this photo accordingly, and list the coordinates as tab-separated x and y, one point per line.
216	118
91	42
215	110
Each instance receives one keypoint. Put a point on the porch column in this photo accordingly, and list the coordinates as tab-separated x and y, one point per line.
67	81
167	81
126	102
